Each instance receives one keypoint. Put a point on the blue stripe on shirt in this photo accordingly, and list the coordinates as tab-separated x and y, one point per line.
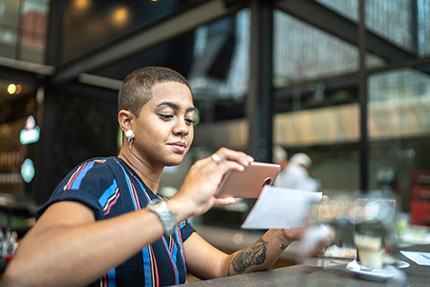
147	266
127	179
77	182
108	193
111	278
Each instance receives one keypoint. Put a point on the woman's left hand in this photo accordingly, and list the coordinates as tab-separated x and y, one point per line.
293	234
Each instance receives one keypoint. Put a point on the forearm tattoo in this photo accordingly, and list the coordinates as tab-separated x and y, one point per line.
253	255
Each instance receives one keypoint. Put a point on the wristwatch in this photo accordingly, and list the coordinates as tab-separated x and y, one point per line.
167	218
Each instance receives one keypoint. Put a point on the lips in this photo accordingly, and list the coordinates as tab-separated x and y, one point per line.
178	146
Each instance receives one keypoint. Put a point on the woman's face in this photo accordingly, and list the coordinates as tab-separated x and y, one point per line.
164	130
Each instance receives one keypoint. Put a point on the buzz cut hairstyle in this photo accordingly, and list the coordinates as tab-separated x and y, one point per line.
136	89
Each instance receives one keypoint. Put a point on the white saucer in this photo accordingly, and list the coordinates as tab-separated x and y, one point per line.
402	264
368	273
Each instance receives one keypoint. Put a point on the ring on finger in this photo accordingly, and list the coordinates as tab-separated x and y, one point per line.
216	158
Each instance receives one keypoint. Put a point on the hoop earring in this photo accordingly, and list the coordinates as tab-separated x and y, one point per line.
130	136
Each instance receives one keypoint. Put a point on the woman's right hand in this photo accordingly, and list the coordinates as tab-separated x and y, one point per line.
197	193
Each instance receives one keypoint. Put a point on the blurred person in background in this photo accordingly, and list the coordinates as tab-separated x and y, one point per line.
280	156
105	224
296	174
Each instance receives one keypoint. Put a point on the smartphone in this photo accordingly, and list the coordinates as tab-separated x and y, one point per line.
248	183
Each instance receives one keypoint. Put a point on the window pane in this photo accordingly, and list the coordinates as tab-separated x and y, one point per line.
391	19
220	67
346	8
328	136
302	52
32	47
33	30
8	37
34	16
399	128
9	11
423	12
313	116
399	104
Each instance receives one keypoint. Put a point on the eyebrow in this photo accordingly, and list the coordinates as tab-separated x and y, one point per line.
175	106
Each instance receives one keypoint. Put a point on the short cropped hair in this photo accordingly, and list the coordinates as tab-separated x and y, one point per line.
135	90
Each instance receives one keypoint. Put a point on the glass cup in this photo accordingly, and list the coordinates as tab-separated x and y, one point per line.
370	250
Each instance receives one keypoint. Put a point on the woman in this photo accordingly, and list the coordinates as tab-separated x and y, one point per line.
87	233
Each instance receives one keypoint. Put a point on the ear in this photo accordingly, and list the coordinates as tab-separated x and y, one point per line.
125	119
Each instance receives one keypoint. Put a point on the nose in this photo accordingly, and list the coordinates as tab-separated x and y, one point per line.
181	129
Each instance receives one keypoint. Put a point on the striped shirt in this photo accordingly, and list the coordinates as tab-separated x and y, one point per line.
110	188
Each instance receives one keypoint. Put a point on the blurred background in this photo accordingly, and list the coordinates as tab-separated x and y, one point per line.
345	81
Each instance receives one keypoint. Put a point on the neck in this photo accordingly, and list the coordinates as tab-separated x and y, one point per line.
149	174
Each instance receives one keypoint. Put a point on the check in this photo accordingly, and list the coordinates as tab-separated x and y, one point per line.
278	207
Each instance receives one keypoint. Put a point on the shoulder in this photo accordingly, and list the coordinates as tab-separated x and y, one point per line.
95	169
86	183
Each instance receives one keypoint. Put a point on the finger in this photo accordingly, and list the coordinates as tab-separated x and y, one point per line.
226	166
294	233
223	166
223	201
231	155
216	158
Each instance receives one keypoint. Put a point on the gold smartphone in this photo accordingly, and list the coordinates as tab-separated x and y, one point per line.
248	183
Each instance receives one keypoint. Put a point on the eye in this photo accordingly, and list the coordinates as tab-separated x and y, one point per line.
165	117
189	121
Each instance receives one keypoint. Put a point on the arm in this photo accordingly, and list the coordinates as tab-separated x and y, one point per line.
263	253
68	247
68	240
205	261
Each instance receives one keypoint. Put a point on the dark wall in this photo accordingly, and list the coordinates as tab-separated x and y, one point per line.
78	124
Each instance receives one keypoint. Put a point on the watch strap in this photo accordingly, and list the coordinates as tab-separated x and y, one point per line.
167	218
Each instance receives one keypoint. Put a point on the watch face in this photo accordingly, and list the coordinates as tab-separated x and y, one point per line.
155	201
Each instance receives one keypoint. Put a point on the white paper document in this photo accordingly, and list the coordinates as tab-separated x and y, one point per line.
278	207
421	258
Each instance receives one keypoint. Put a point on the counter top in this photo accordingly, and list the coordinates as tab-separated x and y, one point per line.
335	275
